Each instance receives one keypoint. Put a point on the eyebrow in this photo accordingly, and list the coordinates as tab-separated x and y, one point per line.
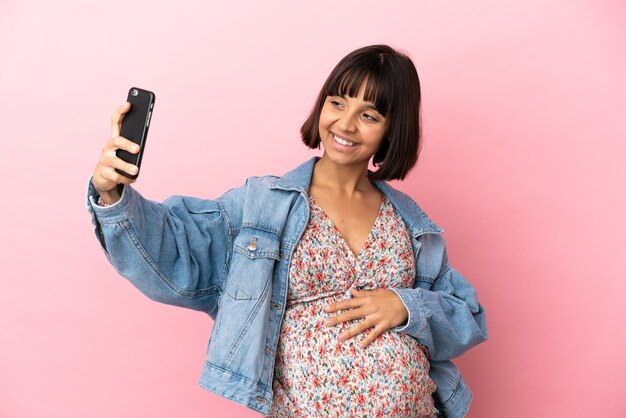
369	106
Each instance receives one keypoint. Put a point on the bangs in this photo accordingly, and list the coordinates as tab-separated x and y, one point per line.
377	90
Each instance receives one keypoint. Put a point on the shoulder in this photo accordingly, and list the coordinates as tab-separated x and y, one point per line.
415	217
261	182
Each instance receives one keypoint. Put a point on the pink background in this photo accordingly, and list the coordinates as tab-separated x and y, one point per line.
524	110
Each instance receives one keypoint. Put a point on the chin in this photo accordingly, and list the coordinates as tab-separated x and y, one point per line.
342	159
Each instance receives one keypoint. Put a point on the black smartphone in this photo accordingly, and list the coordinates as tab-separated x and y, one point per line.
135	126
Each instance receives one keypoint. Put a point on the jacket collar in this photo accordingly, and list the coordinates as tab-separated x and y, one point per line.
299	179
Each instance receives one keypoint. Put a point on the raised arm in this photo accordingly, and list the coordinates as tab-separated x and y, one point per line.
174	252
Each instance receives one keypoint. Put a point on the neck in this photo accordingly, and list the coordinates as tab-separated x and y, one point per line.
347	180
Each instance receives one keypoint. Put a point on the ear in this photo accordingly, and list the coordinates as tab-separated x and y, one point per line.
380	155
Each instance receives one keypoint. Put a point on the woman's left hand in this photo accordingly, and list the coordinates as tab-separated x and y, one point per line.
381	308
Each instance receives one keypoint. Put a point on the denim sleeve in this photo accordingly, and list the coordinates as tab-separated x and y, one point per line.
174	252
447	318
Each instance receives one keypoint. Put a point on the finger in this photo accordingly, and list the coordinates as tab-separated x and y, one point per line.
355	330
342	305
109	173
119	142
115	162
118	117
373	334
345	316
360	293
356	300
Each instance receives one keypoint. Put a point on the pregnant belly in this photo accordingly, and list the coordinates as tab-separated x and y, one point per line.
389	376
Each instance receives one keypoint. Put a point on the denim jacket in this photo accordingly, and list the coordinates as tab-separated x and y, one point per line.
229	257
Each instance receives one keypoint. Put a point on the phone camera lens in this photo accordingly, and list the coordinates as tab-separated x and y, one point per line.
134	92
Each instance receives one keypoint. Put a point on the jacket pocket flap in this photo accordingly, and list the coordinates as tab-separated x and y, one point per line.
256	243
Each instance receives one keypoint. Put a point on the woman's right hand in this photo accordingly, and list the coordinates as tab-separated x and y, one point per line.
105	179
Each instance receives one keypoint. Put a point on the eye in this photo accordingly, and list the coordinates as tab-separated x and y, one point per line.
335	103
370	117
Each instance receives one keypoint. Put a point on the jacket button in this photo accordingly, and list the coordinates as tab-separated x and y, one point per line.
252	245
275	305
260	399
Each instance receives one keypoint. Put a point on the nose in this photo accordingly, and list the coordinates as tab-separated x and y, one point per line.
347	122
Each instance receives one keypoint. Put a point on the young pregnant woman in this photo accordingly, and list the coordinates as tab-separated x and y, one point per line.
331	291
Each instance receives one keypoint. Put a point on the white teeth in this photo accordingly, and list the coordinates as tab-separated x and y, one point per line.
343	141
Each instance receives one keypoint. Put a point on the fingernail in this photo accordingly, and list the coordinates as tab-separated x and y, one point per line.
133	169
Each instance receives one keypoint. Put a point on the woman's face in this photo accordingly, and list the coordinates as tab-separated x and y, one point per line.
351	129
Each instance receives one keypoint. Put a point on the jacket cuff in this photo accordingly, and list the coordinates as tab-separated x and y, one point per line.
115	212
414	304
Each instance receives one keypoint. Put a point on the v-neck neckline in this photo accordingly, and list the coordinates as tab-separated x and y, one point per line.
356	257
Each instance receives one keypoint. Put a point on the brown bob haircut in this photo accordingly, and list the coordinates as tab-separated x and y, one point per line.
394	87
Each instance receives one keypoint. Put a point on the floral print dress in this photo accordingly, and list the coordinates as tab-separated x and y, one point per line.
315	374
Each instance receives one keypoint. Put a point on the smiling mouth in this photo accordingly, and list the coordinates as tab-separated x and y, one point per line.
343	141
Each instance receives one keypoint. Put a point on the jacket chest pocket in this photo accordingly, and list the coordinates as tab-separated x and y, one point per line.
255	253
